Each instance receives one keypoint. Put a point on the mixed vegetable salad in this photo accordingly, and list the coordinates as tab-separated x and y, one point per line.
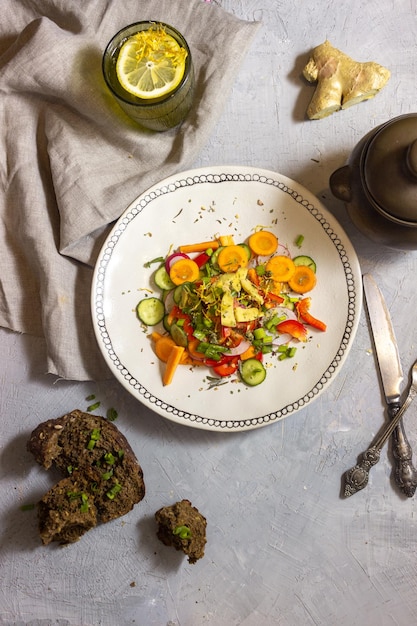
225	305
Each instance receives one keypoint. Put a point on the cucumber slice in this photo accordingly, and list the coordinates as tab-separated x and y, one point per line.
150	311
303	259
162	279
179	335
182	294
252	372
214	256
246	249
166	323
177	294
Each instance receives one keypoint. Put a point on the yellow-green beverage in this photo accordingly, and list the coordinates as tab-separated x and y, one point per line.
149	70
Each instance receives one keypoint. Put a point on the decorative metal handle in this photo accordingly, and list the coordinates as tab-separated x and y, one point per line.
357	477
405	473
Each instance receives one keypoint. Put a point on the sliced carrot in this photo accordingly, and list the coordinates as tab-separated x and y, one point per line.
253	276
226	240
231	258
172	363
263	243
199	247
250	353
281	268
171	317
192	349
163	347
187	360
273	298
302	280
184	271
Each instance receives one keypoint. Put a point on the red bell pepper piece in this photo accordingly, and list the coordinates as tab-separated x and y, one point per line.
227	367
229	337
245	327
273	297
176	314
302	307
294	328
201	259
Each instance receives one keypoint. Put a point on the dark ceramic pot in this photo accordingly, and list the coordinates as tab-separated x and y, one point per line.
379	184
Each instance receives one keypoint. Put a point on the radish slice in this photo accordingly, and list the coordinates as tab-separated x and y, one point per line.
283	250
169	300
260	259
279	340
173	258
282	310
240	349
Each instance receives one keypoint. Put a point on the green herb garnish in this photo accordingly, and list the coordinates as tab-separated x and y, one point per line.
299	241
84	503
94	437
109	458
286	352
111	494
93	407
27	507
74	495
159	259
112	414
216	381
184	532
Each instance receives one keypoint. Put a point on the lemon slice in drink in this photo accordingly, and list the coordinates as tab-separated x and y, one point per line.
150	64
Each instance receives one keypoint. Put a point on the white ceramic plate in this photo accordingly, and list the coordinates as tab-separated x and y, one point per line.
195	206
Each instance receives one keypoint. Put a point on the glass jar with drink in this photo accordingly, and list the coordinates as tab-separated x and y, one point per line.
149	70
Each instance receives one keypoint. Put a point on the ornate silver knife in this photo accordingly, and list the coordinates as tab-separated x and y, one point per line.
391	374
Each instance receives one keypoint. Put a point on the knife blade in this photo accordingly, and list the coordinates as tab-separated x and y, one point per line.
391	375
384	340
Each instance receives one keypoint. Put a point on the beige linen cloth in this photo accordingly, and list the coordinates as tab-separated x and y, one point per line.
71	161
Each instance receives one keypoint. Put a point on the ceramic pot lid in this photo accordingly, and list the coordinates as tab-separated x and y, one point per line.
389	169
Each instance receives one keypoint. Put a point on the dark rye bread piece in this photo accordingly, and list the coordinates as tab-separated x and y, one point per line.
67	511
85	446
182	526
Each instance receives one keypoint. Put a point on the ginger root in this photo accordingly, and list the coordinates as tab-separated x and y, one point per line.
341	81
